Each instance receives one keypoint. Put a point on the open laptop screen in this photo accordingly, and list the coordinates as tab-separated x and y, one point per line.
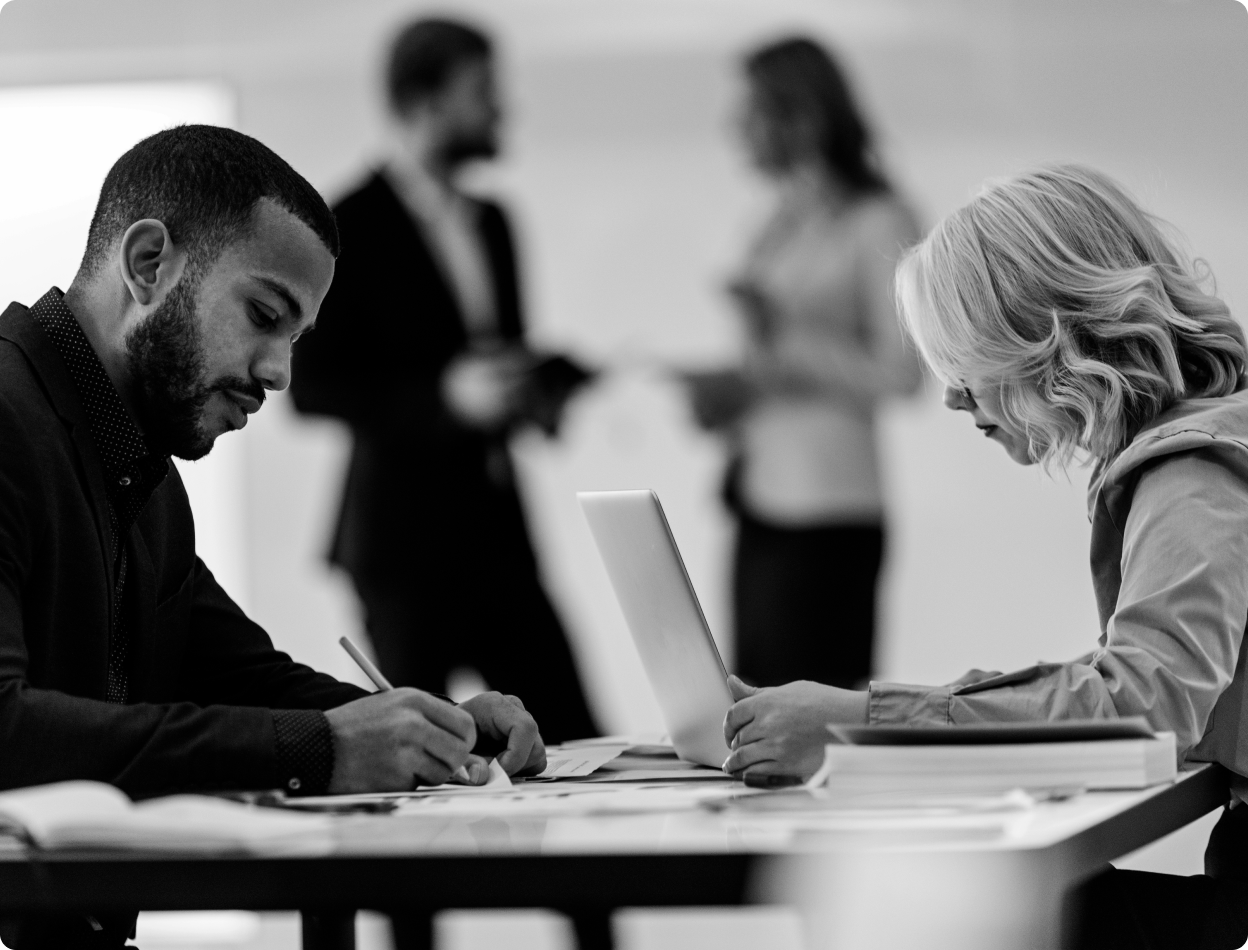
664	617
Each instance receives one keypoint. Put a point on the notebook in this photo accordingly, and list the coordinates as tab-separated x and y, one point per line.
1113	754
94	815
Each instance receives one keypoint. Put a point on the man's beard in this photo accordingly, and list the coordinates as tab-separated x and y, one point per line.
165	357
465	148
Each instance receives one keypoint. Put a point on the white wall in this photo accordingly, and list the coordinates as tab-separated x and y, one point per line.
634	206
69	137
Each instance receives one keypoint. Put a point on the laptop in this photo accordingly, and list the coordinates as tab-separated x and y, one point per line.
665	619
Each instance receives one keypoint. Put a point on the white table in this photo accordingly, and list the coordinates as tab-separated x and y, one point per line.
982	884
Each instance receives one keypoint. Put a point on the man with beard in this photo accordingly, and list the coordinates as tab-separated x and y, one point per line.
420	349
121	659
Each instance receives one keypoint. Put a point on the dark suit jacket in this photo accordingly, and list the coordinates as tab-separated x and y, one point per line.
203	677
385	334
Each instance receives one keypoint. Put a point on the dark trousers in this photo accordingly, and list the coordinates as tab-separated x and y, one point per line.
472	598
1139	910
805	602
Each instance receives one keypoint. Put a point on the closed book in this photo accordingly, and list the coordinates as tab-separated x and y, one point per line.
979	764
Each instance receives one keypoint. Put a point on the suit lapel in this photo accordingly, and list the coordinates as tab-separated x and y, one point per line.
432	282
500	258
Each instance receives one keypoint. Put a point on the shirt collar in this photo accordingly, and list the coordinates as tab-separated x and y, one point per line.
432	199
133	470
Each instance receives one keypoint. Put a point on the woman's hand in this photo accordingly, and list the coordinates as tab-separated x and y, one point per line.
718	397
781	730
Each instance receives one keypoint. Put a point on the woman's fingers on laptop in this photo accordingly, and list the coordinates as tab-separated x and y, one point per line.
740	689
751	755
752	731
739	713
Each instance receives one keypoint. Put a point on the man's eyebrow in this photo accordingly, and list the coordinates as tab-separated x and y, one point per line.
282	291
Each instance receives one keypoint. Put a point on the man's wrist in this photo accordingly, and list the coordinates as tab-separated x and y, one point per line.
305	750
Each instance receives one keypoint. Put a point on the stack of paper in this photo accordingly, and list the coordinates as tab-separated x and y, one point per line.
95	815
980	759
621	761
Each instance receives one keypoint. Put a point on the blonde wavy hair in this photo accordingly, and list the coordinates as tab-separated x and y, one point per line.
1056	288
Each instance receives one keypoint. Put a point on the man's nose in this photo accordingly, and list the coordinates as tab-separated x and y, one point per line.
272	367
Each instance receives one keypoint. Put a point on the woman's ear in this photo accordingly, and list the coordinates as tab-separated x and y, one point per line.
148	260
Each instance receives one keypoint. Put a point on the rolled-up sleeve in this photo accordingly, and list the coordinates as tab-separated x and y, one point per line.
892	703
1172	642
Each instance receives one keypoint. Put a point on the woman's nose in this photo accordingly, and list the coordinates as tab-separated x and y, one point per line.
958	398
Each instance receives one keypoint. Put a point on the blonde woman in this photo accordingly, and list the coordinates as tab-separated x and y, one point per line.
1065	322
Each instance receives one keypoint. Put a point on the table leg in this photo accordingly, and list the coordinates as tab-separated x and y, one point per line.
328	930
412	929
593	928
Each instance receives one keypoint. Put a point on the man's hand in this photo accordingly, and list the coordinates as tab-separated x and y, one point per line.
391	741
485	390
504	719
780	730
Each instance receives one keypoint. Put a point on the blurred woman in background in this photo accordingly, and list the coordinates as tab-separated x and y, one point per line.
823	348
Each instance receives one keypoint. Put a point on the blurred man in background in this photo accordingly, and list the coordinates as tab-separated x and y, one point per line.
420	349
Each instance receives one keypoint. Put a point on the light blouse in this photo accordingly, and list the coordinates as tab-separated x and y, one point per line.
830	350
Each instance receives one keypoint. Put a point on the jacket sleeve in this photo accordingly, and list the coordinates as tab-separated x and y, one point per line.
1172	644
232	661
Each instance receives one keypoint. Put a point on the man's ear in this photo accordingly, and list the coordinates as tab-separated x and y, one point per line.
150	264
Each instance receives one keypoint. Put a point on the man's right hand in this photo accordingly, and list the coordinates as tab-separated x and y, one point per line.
483	390
392	740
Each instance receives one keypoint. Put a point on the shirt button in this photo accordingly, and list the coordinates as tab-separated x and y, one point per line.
124	481
294	784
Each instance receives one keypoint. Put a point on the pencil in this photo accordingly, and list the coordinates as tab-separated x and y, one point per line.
365	664
383	684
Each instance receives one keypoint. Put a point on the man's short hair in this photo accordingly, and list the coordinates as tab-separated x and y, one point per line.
202	182
424	56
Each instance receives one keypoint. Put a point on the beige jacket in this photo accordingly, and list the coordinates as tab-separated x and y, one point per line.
1170	570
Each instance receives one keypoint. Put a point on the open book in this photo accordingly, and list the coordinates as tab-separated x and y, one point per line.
1101	754
95	815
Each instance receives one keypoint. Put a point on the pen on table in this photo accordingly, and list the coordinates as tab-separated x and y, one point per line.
382	683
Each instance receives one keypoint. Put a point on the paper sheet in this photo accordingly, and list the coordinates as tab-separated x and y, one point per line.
564	762
570	799
498	776
693	774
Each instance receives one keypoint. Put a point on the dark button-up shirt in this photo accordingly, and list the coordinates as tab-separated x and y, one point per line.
133	471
